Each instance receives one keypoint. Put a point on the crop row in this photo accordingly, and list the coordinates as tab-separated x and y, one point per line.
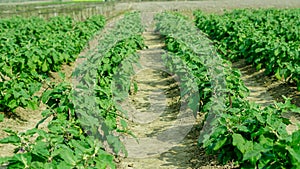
265	38
239	130
83	127
31	48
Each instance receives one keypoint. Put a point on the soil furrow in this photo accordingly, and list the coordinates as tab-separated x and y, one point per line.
154	111
258	92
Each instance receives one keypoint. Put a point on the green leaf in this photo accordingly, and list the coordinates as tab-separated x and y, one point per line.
123	124
295	155
11	139
116	143
10	131
62	75
41	149
220	143
46	113
45	67
65	165
46	96
259	66
12	104
267	143
105	160
243	128
24	158
31	131
34	87
252	155
296	138
68	156
38	165
237	139
277	74
260	118
242	144
32	105
1	117
81	146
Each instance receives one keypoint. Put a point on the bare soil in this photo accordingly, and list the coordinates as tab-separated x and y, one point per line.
167	135
266	89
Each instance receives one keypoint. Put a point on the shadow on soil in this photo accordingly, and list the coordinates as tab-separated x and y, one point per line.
276	88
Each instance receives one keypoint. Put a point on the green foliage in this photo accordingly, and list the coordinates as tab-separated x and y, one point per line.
265	38
194	53
94	93
31	48
268	39
254	137
82	131
63	145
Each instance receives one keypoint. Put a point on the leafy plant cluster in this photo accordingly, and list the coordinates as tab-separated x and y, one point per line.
242	131
82	131
266	38
33	47
191	45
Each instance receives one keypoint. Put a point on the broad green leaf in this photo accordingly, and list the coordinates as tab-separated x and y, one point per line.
14	139
46	112
82	146
37	165
32	105
41	149
242	128
46	96
237	139
68	156
12	104
295	155
65	165
266	142
296	138
45	67
242	144
25	158
31	131
104	161
116	143
220	143
252	155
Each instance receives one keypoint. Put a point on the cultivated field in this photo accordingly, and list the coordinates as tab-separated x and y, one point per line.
187	84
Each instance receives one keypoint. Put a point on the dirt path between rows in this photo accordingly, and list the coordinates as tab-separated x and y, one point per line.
265	89
153	112
167	135
258	92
